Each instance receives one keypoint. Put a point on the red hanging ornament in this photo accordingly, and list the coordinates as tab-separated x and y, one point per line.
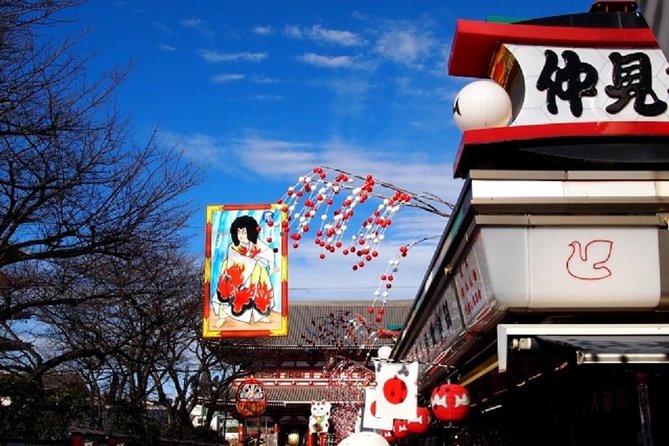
450	402
422	422
388	435
400	429
251	398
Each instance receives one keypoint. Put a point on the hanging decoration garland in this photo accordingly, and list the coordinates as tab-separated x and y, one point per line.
347	380
324	203
346	332
327	199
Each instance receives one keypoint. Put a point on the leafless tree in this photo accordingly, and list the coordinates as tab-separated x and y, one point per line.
131	344
79	199
93	273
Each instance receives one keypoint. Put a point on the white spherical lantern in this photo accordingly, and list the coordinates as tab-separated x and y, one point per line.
384	352
364	439
482	104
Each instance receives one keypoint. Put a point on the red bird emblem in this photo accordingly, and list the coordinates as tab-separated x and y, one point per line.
587	262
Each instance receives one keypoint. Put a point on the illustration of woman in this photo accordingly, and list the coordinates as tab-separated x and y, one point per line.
244	286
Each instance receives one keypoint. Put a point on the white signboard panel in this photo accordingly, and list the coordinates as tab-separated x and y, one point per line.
441	330
591	84
469	285
564	189
573	267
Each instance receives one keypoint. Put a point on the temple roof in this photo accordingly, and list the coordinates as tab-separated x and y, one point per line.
317	325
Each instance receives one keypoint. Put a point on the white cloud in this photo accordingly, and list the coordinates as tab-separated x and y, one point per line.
324	35
403	44
325	61
293	31
227	77
263	30
333	36
259	156
273	158
269	157
350	87
405	87
191	22
352	95
167	48
264	80
202	148
283	159
197	24
412	225
216	56
163	28
267	97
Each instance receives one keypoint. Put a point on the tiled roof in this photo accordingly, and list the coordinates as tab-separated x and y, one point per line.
302	395
311	322
297	394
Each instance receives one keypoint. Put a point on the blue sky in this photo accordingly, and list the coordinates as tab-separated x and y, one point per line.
260	92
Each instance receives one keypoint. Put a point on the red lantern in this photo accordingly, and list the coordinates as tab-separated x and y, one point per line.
422	422
388	435
251	399
450	402
400	429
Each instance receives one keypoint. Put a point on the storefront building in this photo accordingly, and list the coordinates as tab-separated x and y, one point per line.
547	295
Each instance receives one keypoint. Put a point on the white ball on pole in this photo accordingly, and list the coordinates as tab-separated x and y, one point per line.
482	104
384	352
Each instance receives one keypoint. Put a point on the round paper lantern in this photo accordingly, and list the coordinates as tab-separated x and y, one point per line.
384	352
388	435
450	402
400	429
364	439
422	422
293	439
482	104
251	399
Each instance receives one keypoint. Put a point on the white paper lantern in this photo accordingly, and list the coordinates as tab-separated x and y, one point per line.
482	104
364	439
384	352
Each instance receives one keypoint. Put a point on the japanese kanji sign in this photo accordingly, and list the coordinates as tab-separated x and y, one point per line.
590	84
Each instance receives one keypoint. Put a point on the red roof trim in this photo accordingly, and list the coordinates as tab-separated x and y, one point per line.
562	130
542	131
475	42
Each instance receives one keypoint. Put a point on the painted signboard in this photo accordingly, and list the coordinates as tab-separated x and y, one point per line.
246	285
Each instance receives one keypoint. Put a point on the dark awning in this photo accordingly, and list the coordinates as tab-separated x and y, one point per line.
592	343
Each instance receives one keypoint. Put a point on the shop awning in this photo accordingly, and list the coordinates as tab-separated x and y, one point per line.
592	343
